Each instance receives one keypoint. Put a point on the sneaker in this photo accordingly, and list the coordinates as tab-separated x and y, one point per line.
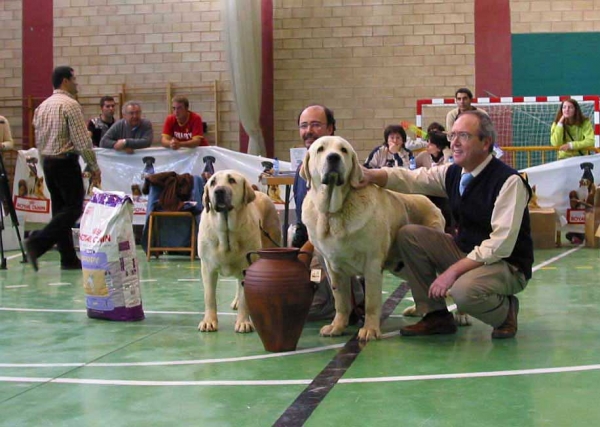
509	328
440	322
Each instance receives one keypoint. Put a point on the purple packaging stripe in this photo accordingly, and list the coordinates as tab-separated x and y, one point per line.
109	199
122	314
124	246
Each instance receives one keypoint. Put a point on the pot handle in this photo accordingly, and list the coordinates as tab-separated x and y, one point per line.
249	255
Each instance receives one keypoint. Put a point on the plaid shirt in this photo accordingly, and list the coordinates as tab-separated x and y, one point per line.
60	128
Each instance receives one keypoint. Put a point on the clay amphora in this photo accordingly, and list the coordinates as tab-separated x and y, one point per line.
278	294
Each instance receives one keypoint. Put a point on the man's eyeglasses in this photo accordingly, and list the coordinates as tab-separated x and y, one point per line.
462	136
314	125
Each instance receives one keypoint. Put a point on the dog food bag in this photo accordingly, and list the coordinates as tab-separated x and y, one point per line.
110	267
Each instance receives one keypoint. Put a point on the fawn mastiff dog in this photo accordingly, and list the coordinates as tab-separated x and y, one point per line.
354	229
235	221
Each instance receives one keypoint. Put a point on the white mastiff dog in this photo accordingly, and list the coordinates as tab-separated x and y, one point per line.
235	221
355	229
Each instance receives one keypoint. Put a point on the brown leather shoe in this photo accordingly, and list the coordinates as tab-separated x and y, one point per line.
509	328
440	322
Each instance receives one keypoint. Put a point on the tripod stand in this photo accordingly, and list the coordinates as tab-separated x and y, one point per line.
6	203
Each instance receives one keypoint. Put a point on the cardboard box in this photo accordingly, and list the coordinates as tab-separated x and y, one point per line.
543	228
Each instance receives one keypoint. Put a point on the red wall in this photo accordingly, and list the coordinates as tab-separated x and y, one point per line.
37	51
493	54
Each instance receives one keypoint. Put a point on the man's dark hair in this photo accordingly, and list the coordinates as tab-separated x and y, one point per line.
465	91
61	73
104	99
328	114
394	129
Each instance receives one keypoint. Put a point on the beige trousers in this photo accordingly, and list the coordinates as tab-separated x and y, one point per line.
481	292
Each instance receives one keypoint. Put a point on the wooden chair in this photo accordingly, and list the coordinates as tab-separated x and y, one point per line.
154	220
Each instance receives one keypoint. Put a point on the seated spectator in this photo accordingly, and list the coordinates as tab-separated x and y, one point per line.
392	152
183	128
571	131
131	132
6	140
99	125
437	151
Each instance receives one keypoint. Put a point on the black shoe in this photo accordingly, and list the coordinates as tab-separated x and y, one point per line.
74	265
31	255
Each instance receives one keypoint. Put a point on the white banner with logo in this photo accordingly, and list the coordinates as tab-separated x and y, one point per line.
554	181
124	172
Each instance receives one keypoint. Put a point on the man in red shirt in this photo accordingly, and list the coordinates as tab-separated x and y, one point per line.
183	128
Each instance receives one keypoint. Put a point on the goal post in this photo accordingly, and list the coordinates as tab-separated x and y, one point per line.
523	123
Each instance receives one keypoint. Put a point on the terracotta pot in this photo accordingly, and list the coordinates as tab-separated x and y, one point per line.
278	294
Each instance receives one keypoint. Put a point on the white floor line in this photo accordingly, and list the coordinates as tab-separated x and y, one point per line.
60	284
148	280
180	362
15	286
490	374
188	280
556	258
59	310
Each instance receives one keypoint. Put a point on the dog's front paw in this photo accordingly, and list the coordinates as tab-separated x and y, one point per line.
331	330
235	303
411	312
368	334
244	326
462	319
208	324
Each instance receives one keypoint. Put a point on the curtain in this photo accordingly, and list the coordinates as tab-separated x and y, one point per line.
243	44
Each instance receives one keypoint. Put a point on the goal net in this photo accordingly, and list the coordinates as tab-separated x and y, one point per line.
523	123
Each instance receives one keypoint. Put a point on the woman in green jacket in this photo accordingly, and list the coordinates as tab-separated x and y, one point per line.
571	131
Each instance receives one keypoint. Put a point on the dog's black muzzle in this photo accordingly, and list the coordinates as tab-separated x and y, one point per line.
333	175
222	197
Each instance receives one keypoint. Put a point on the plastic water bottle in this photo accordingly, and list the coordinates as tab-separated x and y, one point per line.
275	166
412	164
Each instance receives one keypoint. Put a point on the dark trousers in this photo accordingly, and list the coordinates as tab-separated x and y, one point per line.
63	178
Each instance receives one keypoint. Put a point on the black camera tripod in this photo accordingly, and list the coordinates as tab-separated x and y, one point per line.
6	204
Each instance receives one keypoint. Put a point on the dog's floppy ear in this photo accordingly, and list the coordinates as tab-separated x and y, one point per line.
356	174
206	198
249	194
305	170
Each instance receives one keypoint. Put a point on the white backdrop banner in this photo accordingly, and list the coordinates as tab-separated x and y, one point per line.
555	180
124	172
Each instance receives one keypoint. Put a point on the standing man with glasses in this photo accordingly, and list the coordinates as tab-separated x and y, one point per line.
463	98
490	259
61	137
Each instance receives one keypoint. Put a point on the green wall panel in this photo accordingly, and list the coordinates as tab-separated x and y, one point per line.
556	64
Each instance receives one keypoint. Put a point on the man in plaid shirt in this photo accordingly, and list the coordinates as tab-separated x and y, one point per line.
61	137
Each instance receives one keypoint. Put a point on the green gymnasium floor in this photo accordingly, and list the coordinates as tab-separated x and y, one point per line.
60	368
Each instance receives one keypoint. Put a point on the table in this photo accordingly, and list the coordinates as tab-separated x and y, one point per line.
288	181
